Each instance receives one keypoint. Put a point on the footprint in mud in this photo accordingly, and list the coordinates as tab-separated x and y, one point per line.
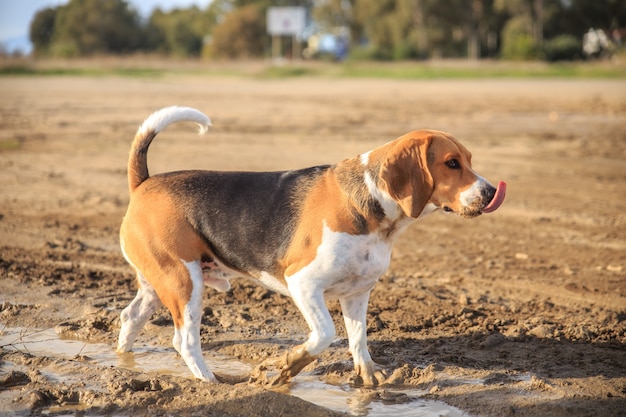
13	379
97	328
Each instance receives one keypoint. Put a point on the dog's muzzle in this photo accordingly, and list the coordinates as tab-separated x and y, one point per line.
497	198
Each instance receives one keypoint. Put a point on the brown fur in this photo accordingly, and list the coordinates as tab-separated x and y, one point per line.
156	247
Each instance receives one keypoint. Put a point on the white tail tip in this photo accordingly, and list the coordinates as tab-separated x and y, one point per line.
160	119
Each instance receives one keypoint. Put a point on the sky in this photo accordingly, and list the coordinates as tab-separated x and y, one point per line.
16	15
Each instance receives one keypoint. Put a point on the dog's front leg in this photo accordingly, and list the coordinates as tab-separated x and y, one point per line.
315	312
354	308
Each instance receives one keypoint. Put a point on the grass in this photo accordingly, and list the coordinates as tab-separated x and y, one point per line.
10	144
27	70
416	70
484	70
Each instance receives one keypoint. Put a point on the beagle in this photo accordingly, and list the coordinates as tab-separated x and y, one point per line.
311	234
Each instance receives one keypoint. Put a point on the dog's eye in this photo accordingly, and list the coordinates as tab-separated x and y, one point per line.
453	164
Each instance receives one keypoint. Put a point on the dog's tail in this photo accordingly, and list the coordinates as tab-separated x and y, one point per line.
155	123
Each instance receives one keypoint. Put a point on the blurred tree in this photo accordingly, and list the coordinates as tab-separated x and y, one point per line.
473	29
42	30
86	27
522	36
240	26
517	41
241	34
447	24
179	32
376	16
331	15
381	29
563	48
401	29
575	17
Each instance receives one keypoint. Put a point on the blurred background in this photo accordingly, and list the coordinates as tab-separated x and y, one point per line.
332	30
522	312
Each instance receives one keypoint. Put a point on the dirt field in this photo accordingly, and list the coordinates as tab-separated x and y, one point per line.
521	312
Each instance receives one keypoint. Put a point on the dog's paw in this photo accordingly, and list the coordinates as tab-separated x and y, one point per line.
294	361
370	374
262	377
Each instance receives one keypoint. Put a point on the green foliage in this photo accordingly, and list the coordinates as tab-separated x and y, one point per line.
65	49
416	29
137	68
87	27
518	43
378	29
405	49
562	48
520	47
42	29
240	35
365	53
180	32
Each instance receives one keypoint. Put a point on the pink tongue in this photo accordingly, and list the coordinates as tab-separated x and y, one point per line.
497	199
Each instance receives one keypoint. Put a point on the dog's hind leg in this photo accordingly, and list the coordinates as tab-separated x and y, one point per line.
136	315
187	319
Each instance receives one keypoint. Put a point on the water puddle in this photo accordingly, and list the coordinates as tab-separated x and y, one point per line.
399	402
142	359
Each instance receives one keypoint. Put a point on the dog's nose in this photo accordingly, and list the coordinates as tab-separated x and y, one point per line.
493	196
488	192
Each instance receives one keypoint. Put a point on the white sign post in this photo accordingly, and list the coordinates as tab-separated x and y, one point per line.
285	21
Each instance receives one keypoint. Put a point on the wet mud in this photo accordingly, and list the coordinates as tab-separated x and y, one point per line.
520	312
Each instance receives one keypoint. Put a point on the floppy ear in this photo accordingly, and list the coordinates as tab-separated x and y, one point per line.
407	177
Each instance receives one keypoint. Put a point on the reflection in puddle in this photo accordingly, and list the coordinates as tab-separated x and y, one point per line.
357	402
142	359
400	402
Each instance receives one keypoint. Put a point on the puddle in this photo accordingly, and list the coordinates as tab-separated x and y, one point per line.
142	359
398	402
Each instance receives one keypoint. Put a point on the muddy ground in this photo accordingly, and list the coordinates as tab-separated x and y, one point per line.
521	312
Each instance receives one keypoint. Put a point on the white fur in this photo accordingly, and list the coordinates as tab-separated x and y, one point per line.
187	338
390	206
272	283
135	316
365	158
474	192
354	308
428	209
346	267
345	263
160	119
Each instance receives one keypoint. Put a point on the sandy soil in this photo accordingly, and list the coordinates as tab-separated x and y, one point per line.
521	312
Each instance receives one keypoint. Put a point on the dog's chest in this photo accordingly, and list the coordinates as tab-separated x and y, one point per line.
345	264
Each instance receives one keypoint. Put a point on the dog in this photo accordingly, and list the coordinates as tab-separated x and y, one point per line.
310	234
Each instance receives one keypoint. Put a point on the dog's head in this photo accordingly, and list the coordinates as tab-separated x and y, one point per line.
431	167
